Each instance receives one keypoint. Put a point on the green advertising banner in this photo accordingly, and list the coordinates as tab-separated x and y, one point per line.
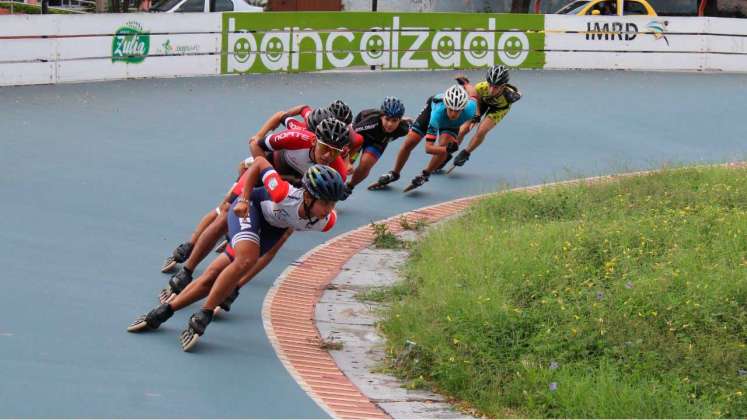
312	41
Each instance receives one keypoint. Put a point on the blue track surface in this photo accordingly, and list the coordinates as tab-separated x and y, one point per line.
98	183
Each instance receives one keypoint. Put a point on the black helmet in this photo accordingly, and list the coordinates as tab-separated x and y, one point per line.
393	107
497	75
341	111
333	133
316	116
323	183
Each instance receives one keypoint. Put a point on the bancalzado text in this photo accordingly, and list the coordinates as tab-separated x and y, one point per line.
389	47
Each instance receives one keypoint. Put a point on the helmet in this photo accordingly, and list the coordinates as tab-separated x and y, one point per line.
341	111
323	183
333	133
393	107
456	98
497	75
316	116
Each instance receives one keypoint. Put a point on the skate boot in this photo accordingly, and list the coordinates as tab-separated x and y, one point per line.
152	319
417	181
180	254
441	167
177	283
226	305
460	159
198	322
384	180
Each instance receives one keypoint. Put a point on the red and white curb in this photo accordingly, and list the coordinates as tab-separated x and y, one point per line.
288	308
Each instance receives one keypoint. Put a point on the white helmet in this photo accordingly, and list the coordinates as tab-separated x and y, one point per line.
456	98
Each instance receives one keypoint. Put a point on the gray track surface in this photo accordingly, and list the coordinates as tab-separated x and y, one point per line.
98	183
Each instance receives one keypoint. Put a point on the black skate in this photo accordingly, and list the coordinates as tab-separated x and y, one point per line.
460	160
384	180
417	181
177	283
152	320
198	322
226	305
180	254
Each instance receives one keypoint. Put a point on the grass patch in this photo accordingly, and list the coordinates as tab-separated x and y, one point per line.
384	238
621	300
376	294
416	225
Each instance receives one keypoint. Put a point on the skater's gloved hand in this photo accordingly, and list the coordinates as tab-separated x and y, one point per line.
346	192
452	147
241	208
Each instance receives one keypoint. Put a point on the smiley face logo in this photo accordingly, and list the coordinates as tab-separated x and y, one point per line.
513	48
242	50
479	47
445	47
375	46
274	50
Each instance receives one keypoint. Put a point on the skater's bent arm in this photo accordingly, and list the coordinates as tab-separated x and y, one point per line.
255	148
259	165
463	130
274	121
432	149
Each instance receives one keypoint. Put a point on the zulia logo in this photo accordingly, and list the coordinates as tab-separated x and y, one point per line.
130	43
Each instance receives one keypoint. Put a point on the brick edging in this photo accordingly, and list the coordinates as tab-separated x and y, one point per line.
288	307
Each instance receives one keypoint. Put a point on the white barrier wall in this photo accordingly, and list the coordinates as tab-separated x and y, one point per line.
61	48
69	48
645	43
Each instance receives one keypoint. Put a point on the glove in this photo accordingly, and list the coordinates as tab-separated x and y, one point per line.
452	147
512	95
346	192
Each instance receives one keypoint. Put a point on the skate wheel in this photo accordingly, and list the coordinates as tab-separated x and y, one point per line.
165	294
377	186
139	325
188	339
169	265
409	188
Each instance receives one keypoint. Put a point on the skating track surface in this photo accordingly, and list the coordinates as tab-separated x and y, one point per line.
99	182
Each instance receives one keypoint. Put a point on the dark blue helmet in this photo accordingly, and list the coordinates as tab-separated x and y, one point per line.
341	111
393	107
323	183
